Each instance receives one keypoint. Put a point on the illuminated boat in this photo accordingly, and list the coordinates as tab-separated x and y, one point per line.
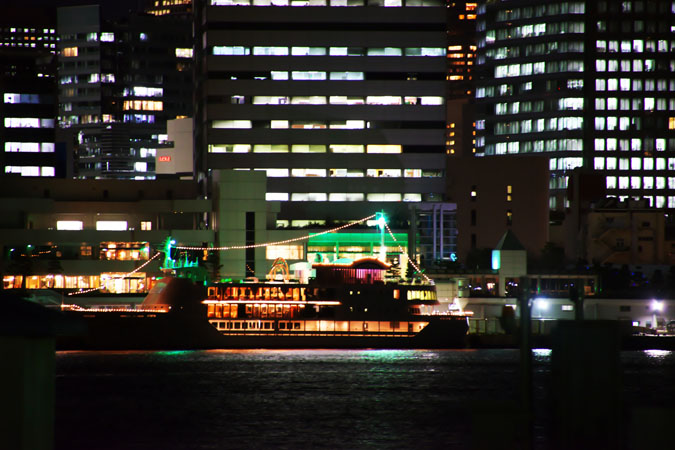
348	304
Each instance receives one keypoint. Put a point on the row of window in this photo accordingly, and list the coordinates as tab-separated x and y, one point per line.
330	51
628	84
322	124
600	144
32	171
304	148
550	145
352	173
28	122
577	103
633	163
541	67
552	9
543	48
143	105
634	46
143	91
86	78
29	30
339	3
29	147
539	125
639	183
635	104
342	100
342	197
318	75
101	225
526	31
635	144
13	98
25	44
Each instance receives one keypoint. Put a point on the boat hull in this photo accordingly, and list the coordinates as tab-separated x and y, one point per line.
110	331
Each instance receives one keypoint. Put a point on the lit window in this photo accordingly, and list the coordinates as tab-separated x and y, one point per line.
308	51
383	149
146	225
306	148
288	252
232	124
69	225
599	163
111	225
346	197
308	173
387	173
309	197
345	148
270	51
183	52
268	148
308	75
383	197
107	37
276	196
231	51
69	52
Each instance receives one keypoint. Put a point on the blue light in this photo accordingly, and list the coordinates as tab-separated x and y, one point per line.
496	260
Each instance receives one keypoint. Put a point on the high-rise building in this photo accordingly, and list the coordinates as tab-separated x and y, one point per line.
587	83
119	82
28	89
164	7
340	102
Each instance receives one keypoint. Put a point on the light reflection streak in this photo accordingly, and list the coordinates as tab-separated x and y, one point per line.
658	354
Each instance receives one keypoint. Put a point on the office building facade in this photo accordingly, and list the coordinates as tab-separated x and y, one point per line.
28	89
119	82
586	83
340	102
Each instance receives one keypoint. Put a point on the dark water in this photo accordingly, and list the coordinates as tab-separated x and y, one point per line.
307	399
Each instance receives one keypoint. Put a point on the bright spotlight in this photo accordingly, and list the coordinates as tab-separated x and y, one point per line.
542	303
657	305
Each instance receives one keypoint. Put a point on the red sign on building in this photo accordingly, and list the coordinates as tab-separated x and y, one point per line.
164	158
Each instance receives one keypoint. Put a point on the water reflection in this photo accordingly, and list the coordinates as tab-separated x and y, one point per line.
658	354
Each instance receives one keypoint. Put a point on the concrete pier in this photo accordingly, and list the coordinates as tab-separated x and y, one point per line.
27	342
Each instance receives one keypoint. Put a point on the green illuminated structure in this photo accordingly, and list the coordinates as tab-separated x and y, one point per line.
332	246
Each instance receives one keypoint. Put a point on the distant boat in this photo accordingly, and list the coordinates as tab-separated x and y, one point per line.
348	304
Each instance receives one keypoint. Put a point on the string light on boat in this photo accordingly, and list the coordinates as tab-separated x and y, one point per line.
406	255
287	241
86	291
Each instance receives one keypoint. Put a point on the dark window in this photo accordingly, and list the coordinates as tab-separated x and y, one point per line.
473	217
624	308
